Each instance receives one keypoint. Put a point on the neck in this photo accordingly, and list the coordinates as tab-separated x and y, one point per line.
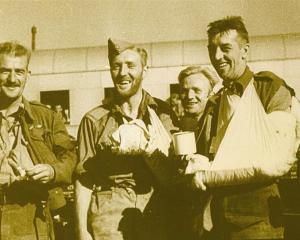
194	116
238	75
8	105
130	106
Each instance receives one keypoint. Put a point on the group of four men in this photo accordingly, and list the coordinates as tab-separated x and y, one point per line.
127	179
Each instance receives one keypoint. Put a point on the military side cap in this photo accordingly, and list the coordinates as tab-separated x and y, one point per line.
115	47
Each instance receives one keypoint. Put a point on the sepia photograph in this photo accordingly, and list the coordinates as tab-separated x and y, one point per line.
150	120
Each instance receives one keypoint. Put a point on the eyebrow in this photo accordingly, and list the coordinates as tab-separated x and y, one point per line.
126	62
225	44
3	69
222	45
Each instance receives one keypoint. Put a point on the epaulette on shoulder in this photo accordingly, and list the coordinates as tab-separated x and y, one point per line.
267	84
97	112
37	103
270	79
267	76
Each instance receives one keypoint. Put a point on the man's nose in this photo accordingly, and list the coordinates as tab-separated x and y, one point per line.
124	70
219	54
190	94
12	76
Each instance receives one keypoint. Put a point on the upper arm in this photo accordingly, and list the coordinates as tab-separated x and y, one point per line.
61	138
64	151
86	142
281	101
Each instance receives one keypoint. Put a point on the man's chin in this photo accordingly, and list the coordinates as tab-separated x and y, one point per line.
125	94
9	96
192	113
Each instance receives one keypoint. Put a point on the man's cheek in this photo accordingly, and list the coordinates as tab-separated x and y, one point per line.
2	81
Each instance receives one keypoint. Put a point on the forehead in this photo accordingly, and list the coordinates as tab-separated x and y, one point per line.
128	55
197	80
11	61
228	37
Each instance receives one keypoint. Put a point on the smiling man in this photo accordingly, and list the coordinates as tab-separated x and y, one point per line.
196	86
36	153
250	208
118	182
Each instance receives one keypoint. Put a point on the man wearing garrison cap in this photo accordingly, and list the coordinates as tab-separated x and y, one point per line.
123	149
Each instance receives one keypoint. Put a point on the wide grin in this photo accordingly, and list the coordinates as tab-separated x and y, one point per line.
223	65
124	84
11	88
191	104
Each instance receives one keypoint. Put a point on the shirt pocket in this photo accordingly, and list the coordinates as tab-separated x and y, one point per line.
41	139
39	133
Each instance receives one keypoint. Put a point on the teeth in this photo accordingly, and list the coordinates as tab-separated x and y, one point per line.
124	82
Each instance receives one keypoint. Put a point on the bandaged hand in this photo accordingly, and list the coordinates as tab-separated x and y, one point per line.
130	138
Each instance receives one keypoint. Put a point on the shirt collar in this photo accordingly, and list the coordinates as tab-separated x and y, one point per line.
27	109
239	85
13	109
147	100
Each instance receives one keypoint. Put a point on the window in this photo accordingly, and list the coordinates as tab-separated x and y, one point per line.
58	101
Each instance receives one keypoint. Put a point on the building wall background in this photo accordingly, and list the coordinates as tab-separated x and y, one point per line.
85	71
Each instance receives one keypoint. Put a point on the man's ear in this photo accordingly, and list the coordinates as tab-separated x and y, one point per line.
145	69
28	74
245	51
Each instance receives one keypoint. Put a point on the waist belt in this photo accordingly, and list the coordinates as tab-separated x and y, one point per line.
122	181
108	187
13	196
6	200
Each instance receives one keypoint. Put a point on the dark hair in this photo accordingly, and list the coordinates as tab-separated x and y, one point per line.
205	71
15	49
226	24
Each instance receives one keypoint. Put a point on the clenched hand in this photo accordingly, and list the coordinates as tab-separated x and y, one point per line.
43	173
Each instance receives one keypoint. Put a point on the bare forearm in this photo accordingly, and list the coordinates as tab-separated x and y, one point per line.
82	201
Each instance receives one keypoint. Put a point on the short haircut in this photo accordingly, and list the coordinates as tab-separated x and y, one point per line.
143	53
211	76
226	24
14	49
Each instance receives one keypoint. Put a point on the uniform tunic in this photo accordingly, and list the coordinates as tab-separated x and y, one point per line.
127	201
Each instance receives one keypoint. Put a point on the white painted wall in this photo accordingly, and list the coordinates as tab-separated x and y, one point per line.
85	71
